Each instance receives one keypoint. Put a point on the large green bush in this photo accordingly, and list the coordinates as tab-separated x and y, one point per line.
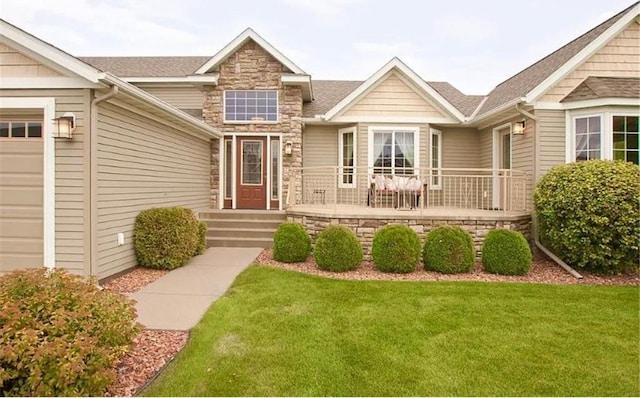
202	238
506	252
291	243
337	249
60	335
589	215
396	248
448	249
166	238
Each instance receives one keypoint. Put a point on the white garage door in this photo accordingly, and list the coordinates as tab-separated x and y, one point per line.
21	194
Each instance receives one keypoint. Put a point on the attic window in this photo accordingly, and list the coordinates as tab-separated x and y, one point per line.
250	106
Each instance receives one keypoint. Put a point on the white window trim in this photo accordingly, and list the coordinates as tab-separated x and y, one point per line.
606	124
224	110
48	105
391	129
438	172
341	133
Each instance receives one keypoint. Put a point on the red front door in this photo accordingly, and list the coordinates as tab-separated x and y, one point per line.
252	173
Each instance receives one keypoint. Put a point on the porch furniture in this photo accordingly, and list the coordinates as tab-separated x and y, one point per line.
395	191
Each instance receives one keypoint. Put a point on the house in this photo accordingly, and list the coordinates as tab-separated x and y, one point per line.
248	129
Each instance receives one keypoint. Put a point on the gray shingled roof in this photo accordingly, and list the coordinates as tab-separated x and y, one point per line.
595	87
326	94
464	103
147	66
525	81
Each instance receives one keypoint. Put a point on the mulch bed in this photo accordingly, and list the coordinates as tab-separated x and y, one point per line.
153	349
543	270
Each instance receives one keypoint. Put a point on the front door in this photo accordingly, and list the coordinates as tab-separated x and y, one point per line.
251	183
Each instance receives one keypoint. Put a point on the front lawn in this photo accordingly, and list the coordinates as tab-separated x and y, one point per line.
279	332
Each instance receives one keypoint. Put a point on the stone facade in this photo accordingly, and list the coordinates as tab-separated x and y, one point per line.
252	68
365	228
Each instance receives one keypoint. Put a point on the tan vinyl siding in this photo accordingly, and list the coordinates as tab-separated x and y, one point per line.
619	58
15	64
460	148
21	204
182	97
142	164
320	146
485	148
550	130
394	97
72	200
522	156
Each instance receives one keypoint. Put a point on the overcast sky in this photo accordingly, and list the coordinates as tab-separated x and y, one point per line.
474	45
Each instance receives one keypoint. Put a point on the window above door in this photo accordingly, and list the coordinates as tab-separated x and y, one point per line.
251	106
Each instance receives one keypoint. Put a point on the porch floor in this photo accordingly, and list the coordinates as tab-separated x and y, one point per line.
435	213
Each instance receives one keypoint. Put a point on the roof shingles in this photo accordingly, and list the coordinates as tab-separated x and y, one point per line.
147	66
595	87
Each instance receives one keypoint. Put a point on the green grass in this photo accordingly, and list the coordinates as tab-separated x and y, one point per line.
280	333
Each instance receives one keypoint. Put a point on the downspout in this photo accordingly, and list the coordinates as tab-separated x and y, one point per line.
93	171
536	237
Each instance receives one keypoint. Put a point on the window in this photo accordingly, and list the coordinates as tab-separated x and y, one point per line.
250	106
228	166
347	157
275	159
625	138
588	131
436	158
393	151
15	129
251	162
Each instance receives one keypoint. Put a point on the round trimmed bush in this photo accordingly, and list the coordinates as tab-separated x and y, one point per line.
506	252
60	335
448	249
337	249
166	238
396	248
588	214
291	243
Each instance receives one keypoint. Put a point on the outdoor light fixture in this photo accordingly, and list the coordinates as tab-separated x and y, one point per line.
64	125
518	127
288	148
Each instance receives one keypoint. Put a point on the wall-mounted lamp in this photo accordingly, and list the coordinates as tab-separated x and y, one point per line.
518	127
288	148
64	125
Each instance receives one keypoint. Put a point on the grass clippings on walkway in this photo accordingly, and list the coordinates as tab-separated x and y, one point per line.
281	333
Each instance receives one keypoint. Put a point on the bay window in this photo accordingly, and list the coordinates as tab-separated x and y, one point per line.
608	135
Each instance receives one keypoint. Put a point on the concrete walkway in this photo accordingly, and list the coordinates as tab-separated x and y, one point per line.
178	300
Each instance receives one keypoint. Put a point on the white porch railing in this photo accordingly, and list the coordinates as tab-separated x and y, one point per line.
481	189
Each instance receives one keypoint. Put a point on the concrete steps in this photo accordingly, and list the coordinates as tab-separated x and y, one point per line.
241	228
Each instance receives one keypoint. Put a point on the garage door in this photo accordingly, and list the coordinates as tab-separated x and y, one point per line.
21	194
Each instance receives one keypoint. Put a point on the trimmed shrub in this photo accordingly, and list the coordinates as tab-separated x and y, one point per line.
337	249
291	243
448	249
60	335
588	214
202	238
506	252
165	238
396	248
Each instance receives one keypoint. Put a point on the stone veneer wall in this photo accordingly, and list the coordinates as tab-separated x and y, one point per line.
365	228
252	68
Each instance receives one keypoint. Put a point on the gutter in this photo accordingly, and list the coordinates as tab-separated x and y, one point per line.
550	254
93	173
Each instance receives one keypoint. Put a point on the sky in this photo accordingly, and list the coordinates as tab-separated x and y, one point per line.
473	45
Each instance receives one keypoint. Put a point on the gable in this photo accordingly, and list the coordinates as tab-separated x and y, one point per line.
15	64
394	97
250	67
618	58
